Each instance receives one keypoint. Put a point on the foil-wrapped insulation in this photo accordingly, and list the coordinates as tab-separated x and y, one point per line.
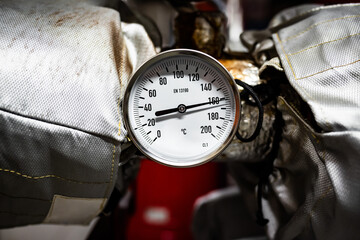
203	31
255	151
244	70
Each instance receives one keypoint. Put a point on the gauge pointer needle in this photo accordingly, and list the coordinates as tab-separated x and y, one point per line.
166	111
182	108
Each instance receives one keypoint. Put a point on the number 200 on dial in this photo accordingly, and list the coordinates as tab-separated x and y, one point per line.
181	108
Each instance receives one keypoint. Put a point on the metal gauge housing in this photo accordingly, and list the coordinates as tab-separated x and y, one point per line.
182	108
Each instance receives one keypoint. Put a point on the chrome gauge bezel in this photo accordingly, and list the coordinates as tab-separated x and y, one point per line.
173	54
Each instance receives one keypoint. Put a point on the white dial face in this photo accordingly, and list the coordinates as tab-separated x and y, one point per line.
182	109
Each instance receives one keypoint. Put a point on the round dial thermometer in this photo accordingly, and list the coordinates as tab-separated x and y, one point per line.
181	108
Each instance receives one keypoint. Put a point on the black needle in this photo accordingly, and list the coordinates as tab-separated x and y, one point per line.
182	108
166	111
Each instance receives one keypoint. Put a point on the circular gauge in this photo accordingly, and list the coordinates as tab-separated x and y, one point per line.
181	108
